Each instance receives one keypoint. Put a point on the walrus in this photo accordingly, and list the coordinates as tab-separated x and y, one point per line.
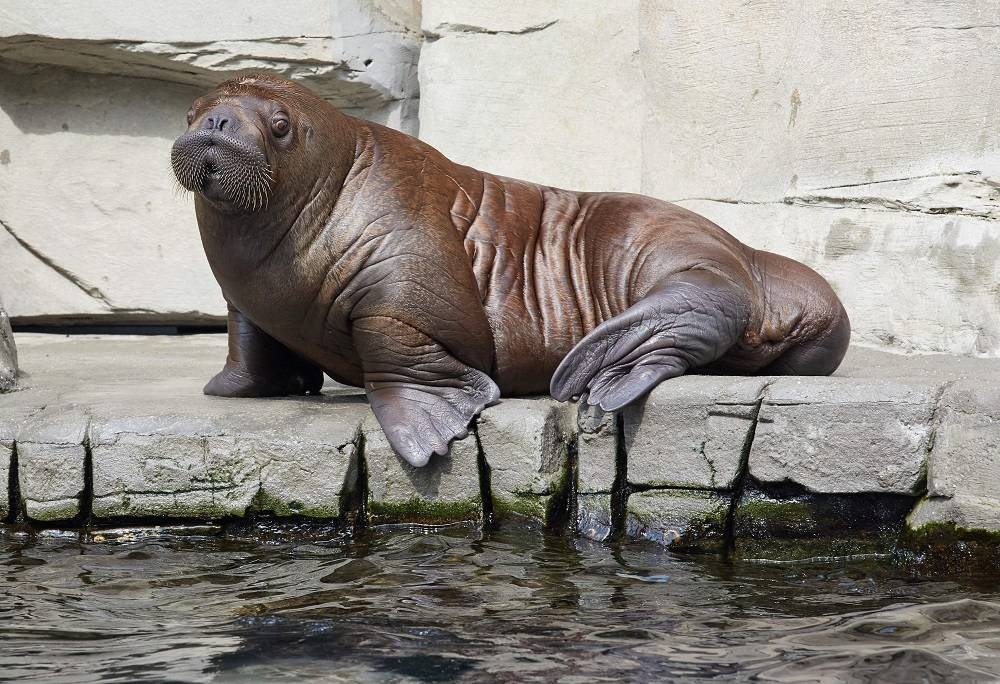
348	248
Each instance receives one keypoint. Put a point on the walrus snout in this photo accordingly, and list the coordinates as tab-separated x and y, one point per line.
223	165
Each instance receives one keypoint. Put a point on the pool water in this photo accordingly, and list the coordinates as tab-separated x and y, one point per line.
516	604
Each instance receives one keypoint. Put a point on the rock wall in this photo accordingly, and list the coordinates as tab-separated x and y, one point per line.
93	95
858	137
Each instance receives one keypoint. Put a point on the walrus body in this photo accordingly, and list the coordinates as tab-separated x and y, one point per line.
348	248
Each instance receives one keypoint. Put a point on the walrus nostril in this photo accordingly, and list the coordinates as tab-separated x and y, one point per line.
217	123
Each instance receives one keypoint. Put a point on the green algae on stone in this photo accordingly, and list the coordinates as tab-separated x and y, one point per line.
425	511
266	502
798	525
545	508
52	511
687	520
946	549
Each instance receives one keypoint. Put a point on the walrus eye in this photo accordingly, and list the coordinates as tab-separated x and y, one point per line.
280	126
190	116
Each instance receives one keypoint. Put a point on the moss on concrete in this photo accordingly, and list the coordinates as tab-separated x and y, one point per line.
535	506
424	511
53	511
266	502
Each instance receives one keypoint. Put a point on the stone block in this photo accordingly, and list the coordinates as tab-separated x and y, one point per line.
447	489
526	444
968	513
691	431
269	455
51	457
685	518
845	435
596	450
963	472
593	516
8	354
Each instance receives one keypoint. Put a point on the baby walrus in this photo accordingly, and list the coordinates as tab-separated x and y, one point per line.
349	248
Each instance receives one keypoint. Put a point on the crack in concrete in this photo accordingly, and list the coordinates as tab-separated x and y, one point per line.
933	421
431	36
739	482
15	511
873	203
485	478
967	27
986	209
620	488
91	291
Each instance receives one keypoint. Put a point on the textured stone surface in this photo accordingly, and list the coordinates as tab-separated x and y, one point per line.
91	99
691	431
8	354
359	54
965	512
593	516
844	435
526	444
963	474
51	454
596	450
687	516
543	91
445	490
221	466
292	456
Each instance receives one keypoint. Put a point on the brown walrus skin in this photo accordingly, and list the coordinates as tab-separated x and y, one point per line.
349	248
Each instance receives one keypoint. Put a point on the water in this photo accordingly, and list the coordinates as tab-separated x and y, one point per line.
457	604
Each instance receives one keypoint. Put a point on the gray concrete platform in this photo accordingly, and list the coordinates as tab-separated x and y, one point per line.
116	428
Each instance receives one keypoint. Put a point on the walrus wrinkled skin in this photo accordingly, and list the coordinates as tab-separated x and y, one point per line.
349	248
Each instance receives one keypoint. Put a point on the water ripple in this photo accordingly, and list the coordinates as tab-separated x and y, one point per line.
454	604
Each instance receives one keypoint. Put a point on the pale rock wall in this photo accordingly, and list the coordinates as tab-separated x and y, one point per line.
92	95
859	137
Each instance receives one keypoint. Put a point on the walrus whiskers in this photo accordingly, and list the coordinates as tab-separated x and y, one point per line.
243	170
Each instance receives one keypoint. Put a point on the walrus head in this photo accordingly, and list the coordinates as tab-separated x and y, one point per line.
242	138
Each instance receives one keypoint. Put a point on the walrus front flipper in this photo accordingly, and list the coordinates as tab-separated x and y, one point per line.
689	320
260	366
422	396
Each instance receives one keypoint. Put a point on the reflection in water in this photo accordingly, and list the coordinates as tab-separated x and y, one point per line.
457	604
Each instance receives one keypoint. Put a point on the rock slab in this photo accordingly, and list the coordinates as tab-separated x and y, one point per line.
691	431
8	354
841	435
963	473
526	446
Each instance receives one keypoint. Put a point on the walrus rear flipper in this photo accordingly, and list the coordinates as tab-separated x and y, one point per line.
689	320
422	396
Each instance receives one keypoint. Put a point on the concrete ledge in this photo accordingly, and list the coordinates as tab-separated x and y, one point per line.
112	429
